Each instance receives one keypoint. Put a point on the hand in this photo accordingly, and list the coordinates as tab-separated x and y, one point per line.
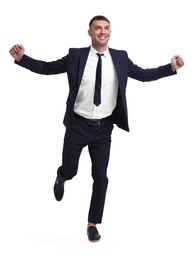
17	52
176	62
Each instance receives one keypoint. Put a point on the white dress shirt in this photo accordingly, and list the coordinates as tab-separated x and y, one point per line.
84	105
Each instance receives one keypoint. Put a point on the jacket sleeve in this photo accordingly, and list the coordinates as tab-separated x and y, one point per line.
151	74
43	67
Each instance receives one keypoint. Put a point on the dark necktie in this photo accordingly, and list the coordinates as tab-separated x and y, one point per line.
97	93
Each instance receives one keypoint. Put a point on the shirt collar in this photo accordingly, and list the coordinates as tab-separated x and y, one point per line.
94	52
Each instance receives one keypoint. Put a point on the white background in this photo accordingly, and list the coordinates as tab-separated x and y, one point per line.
148	212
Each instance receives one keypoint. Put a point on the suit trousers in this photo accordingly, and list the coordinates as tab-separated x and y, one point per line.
98	139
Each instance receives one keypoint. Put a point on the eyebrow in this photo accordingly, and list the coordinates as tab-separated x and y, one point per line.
99	26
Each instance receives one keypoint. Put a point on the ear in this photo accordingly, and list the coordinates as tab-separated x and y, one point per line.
89	33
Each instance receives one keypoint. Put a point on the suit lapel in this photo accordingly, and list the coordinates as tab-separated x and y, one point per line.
116	63
83	58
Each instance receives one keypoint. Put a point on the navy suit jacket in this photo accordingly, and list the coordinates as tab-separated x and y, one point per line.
74	63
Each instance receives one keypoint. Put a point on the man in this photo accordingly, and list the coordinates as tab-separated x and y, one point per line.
91	111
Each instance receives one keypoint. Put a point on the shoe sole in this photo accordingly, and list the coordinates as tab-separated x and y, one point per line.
94	241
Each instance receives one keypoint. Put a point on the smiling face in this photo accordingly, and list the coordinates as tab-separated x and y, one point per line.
100	32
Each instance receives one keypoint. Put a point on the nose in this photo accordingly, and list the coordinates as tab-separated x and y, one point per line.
102	30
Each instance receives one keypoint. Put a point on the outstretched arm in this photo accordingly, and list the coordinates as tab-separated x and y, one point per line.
17	52
176	62
37	66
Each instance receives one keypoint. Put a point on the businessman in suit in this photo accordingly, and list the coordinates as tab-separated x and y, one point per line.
91	111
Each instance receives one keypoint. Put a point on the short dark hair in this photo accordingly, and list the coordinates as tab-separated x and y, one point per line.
98	17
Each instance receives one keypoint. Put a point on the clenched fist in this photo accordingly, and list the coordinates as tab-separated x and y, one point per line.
17	51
